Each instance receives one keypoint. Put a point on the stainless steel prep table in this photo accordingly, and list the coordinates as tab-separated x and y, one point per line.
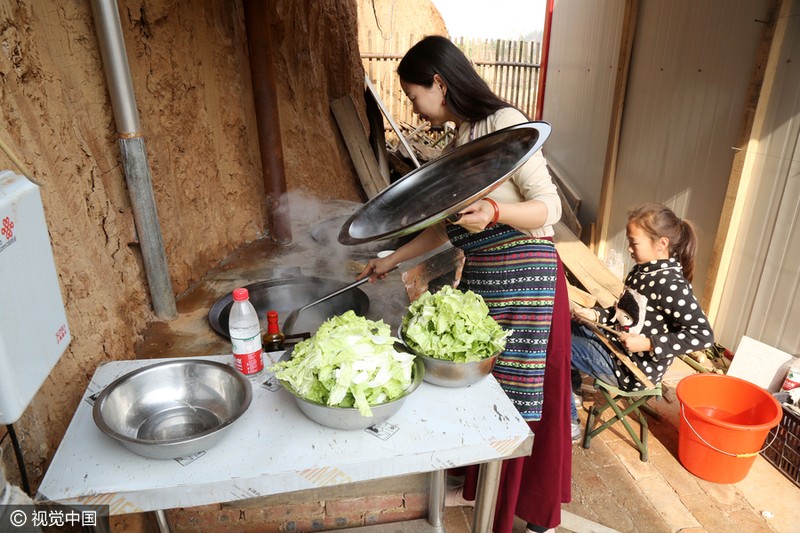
274	448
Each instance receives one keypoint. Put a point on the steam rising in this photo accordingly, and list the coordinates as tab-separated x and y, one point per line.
315	226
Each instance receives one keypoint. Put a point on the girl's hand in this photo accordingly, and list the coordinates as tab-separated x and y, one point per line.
378	267
476	217
635	343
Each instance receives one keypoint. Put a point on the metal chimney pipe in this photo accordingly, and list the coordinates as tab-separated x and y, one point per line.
265	94
134	156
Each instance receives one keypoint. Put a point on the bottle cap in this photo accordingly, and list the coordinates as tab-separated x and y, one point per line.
272	316
240	294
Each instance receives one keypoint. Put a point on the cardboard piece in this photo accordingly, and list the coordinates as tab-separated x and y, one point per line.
760	364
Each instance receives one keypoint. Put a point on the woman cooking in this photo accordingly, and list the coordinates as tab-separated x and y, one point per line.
512	263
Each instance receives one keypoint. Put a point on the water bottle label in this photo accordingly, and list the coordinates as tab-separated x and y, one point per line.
792	380
247	355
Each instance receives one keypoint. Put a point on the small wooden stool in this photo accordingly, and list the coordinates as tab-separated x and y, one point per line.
636	400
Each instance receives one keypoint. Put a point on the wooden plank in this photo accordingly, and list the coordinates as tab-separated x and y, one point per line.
580	296
595	277
378	134
615	125
391	121
344	110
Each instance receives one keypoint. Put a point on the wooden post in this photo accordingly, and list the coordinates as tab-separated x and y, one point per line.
618	105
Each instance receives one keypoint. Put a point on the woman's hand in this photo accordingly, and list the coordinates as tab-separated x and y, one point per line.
378	267
476	217
635	343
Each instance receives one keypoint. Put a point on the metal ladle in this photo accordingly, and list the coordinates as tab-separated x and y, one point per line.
291	318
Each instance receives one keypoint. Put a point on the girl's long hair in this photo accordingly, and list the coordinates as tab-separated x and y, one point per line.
658	220
468	96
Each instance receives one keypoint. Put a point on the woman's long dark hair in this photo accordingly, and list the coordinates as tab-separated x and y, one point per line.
468	96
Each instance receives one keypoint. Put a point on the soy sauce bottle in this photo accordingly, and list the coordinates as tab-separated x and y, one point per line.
273	338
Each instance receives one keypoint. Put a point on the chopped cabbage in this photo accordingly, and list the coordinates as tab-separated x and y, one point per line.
349	362
452	325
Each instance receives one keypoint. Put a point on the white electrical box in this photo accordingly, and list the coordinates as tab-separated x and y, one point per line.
33	324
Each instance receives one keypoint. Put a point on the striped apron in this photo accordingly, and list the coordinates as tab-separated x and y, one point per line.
516	276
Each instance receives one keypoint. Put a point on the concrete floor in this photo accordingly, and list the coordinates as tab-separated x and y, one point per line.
612	489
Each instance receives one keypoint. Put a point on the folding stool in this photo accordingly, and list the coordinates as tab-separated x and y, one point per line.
637	402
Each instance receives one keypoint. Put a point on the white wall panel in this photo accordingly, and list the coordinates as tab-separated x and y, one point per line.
761	295
580	86
690	70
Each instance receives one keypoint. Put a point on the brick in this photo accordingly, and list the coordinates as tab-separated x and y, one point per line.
598	454
723	493
294	510
392	516
629	456
623	503
667	503
664	437
458	519
415	500
711	516
747	521
321	524
368	503
603	499
683	482
586	480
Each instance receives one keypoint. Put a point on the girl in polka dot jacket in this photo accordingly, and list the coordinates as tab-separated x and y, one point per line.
657	316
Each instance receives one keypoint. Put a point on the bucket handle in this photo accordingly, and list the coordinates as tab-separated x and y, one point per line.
683	414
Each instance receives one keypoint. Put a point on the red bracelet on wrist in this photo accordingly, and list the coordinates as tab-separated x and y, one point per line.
496	215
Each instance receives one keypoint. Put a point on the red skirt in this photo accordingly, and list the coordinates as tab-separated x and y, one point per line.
534	487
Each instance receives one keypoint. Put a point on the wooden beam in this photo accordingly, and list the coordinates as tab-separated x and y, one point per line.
355	138
580	297
592	273
612	149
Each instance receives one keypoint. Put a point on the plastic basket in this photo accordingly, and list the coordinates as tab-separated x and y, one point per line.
784	453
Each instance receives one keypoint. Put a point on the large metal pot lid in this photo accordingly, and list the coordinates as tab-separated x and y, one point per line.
446	185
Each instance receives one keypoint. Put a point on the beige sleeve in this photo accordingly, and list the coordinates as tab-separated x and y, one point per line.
533	180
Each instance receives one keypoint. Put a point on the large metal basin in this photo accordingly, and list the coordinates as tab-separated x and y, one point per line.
172	409
284	295
444	186
349	417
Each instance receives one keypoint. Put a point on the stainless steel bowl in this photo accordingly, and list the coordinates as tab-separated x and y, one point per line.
451	374
172	409
349	417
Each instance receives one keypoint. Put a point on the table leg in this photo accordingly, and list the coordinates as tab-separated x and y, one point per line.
486	497
436	498
161	520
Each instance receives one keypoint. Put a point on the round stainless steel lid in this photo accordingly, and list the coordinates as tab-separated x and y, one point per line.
446	185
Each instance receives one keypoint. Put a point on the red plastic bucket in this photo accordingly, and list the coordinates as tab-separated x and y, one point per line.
724	423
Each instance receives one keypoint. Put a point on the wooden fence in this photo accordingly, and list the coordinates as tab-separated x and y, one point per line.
511	68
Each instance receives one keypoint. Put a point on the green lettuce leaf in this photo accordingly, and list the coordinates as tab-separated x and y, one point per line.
349	362
452	325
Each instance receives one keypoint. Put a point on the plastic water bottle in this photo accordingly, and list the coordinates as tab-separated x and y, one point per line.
245	332
792	380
